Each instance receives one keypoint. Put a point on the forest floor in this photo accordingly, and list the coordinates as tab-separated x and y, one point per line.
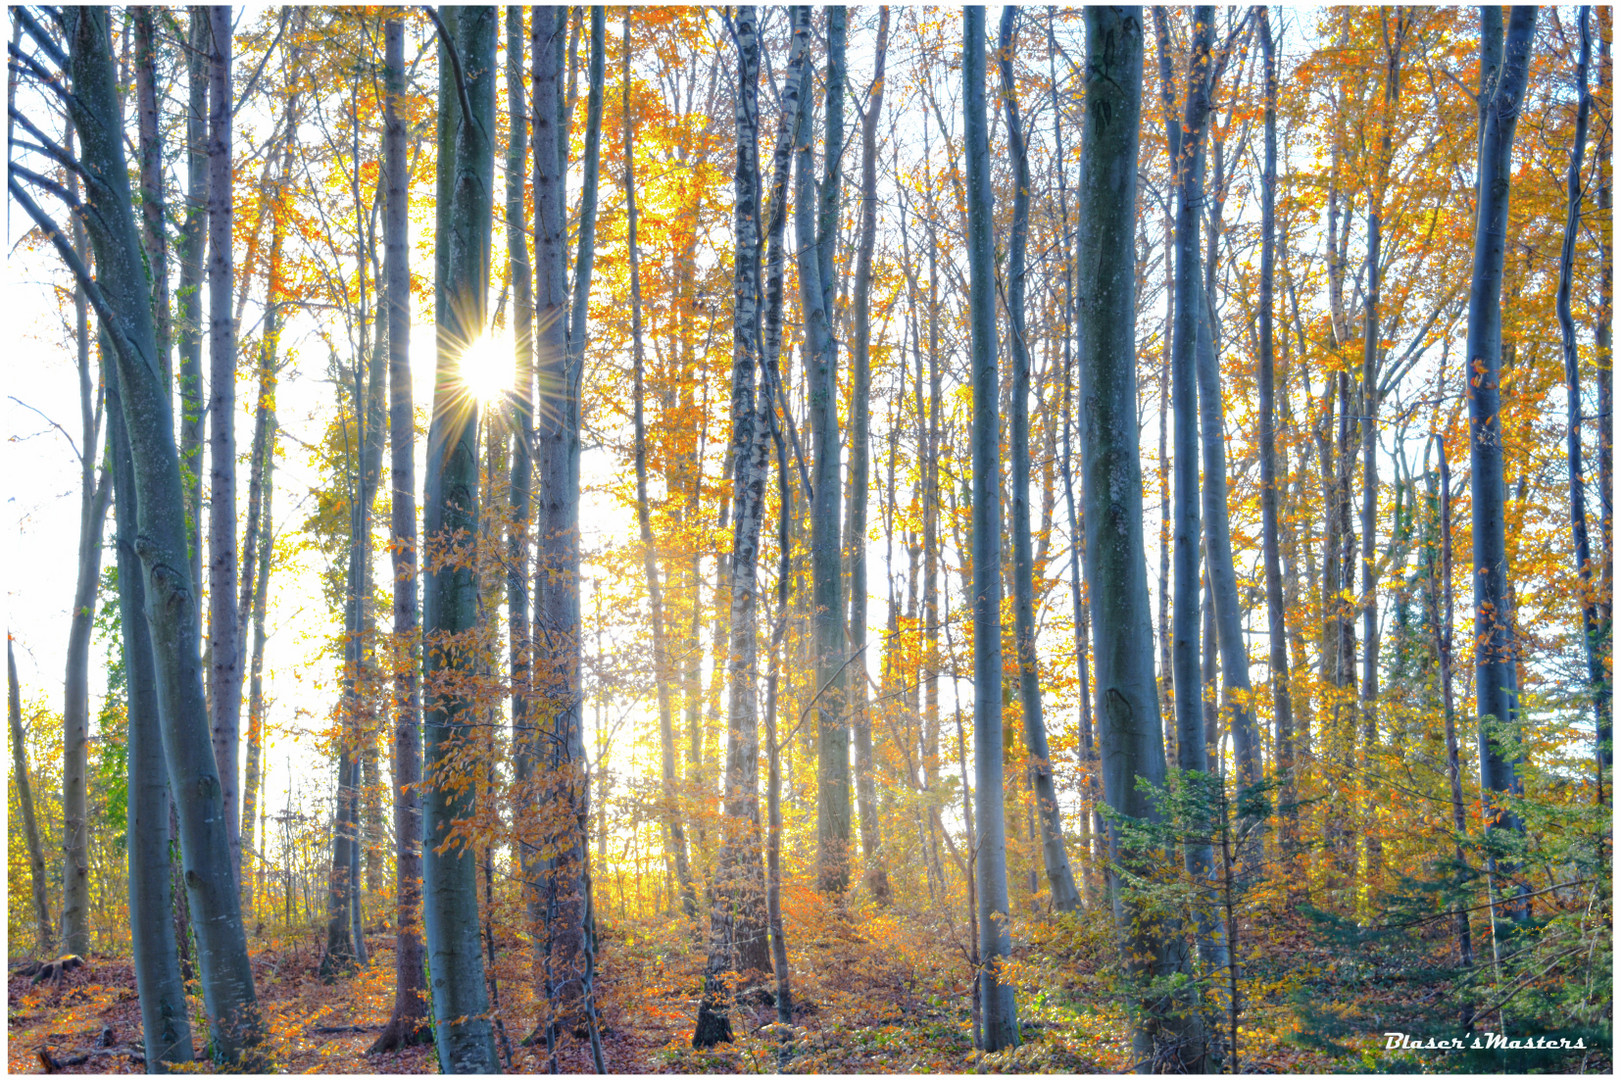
878	993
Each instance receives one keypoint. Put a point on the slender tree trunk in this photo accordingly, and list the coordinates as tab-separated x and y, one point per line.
855	530
450	616
226	664
1496	649
93	496
154	203
122	301
189	295
1054	857
1598	685
1605	370
46	935
995	943
1277	629
739	909
1440	600
663	673
407	1025
821	354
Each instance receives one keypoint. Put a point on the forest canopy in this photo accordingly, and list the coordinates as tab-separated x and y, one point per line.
811	539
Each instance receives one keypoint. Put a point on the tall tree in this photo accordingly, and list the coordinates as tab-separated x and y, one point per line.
122	300
225	679
1054	857
816	288
189	294
1266	386
855	529
93	496
1598	685
450	603
1495	650
663	673
46	934
406	1026
1001	1022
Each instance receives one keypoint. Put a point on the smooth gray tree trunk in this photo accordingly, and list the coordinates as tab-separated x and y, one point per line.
165	1013
1001	1022
450	610
1598	685
1440	600
225	679
855	529
407	1026
189	294
1054	856
122	301
1496	649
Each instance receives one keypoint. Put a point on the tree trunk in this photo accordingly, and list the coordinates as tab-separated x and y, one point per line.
225	705
407	1024
189	294
25	796
855	530
1054	857
1496	648
821	356
739	915
93	496
1598	686
663	675
1440	600
1606	373
165	1014
450	616
123	302
154	204
995	943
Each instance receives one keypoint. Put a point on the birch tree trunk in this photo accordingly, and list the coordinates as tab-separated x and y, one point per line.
995	943
456	963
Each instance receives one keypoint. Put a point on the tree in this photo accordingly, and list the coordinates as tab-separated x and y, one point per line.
1266	378
189	293
406	1026
122	301
1598	685
165	1014
1054	857
25	795
225	672
462	1031
738	938
662	672
995	943
816	287
855	528
93	496
1495	648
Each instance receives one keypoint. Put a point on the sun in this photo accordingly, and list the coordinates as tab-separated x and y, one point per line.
486	368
